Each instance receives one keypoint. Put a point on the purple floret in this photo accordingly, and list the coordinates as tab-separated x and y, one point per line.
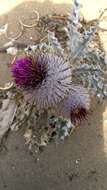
28	73
78	115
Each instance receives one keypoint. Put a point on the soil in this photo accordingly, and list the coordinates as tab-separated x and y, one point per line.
78	163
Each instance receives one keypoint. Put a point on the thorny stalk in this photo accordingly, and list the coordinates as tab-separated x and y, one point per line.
43	119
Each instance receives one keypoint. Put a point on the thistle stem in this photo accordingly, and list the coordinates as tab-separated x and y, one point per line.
43	120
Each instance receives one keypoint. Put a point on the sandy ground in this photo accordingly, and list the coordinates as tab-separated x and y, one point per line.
80	163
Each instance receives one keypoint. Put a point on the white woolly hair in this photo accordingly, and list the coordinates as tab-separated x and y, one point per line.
78	98
56	85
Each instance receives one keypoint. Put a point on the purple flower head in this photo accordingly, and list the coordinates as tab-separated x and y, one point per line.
76	106
45	80
29	73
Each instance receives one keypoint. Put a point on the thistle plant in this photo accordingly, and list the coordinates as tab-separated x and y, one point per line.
53	80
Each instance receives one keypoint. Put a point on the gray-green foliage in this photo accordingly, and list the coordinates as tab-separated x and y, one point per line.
88	61
83	50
